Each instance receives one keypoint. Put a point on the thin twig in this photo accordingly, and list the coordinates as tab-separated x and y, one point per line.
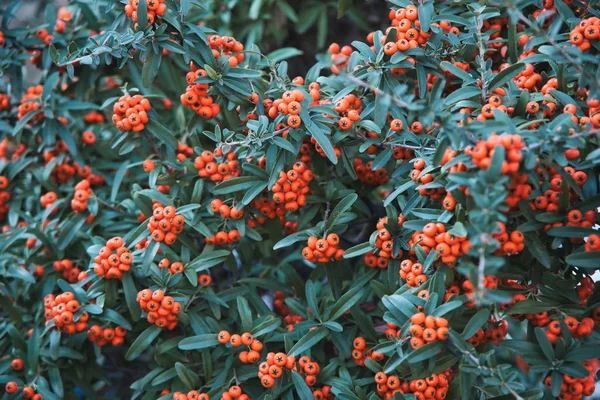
482	51
108	205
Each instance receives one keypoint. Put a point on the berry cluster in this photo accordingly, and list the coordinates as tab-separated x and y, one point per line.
272	368
288	104
184	151
323	394
173	268
574	388
576	328
527	79
93	117
196	96
361	352
290	190
289	319
584	32
165	224
62	17
246	356
27	393
510	243
495	332
349	108
339	57
2	40
481	154
549	200
61	310
112	265
153	8
427	329
6	148
4	197
31	102
489	282
412	273
320	150
495	103
435	193
432	387
227	46
191	395
434	236
131	112
107	335
11	387
217	166
384	246
70	273
44	36
162	310
222	238
323	250
217	206
234	392
81	196
367	175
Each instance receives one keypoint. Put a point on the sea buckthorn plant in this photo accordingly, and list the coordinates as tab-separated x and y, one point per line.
412	217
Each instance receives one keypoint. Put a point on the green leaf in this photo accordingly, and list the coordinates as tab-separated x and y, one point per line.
142	14
358	250
343	206
476	322
150	67
585	260
454	70
142	342
254	11
119	175
284	144
462	94
245	314
345	302
571	231
237	184
208	258
117	318
130	293
309	340
322	140
188	377
505	75
33	350
544	343
162	133
343	7
536	247
199	342
425	352
311	298
70	230
302	390
266	327
283	53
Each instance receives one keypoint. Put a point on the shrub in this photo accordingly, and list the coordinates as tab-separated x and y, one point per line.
412	218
